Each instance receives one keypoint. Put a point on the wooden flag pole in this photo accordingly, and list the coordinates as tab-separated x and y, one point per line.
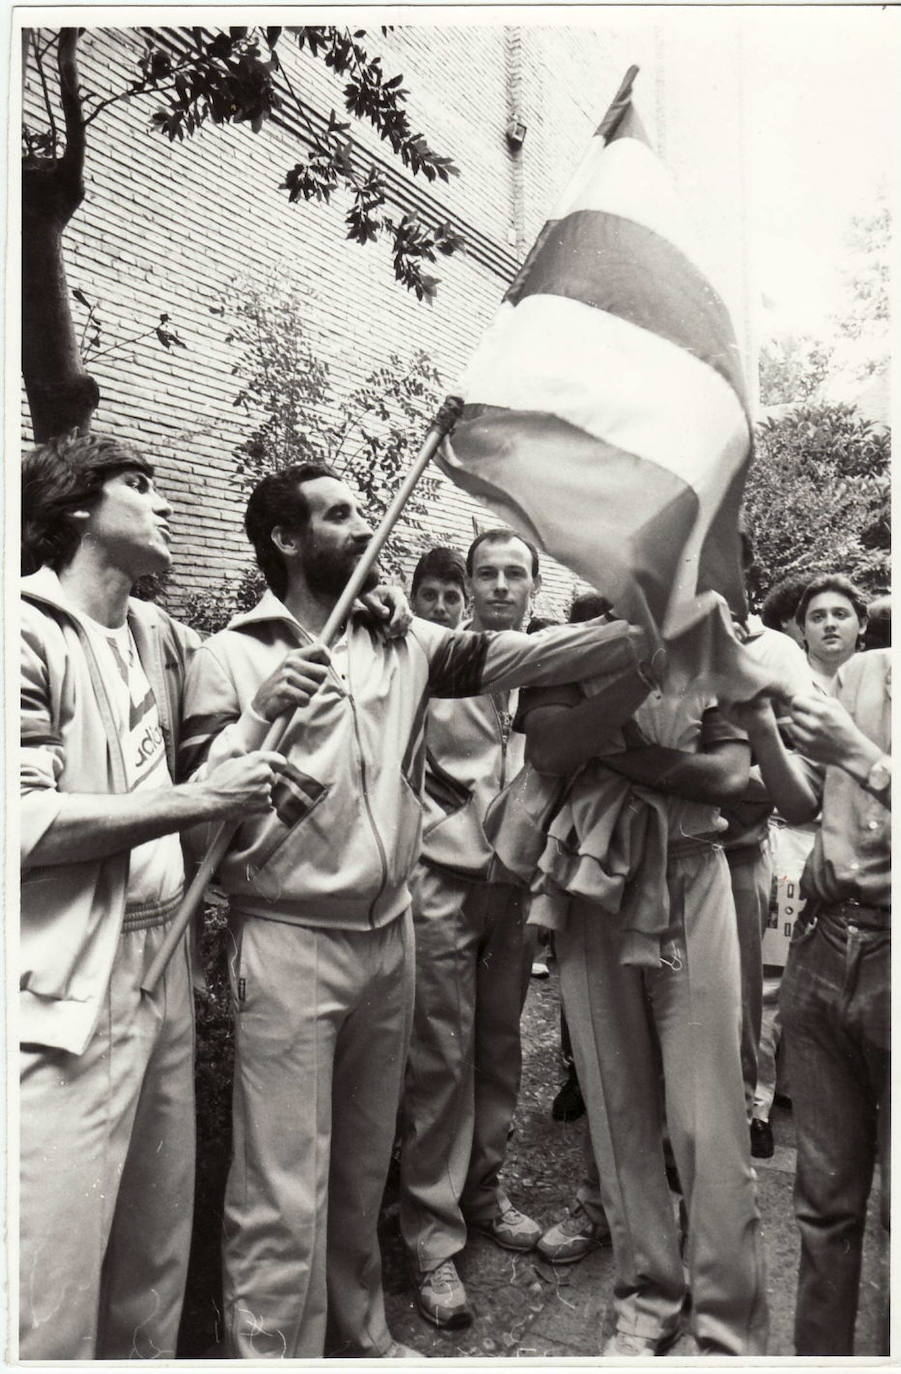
443	423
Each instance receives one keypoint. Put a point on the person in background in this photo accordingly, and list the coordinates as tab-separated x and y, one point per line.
472	968
780	604
748	851
106	1101
438	588
832	616
472	961
879	623
836	1002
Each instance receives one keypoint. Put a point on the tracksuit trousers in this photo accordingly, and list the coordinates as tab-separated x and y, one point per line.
687	1011
751	872
107	1172
463	1071
322	1028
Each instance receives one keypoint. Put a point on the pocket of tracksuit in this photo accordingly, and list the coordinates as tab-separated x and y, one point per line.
295	797
441	787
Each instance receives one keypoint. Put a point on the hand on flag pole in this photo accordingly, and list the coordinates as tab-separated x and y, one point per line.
441	425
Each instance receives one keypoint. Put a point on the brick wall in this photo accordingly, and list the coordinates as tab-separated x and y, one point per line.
166	226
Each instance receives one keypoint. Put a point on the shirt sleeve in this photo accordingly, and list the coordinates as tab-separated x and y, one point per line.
566	694
716	729
468	663
215	727
42	757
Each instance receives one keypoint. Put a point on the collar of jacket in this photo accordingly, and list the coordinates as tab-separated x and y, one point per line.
269	607
43	587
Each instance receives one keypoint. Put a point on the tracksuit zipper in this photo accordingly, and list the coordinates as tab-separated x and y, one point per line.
504	725
383	858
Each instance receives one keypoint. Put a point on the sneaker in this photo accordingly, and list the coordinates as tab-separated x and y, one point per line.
626	1345
569	1103
512	1229
573	1238
441	1298
762	1143
398	1351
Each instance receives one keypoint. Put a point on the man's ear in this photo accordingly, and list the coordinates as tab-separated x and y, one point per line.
286	541
536	585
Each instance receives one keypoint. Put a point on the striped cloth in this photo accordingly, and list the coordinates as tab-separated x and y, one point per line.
605	412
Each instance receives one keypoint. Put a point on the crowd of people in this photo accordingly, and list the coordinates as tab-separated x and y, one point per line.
446	785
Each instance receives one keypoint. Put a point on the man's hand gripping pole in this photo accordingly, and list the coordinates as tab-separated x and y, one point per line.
442	425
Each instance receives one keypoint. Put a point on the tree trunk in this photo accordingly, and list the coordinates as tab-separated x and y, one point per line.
62	396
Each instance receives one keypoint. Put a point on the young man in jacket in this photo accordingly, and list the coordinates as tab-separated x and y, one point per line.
836	994
106	1096
322	961
472	967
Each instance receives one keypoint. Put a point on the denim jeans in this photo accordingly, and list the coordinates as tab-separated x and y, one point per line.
836	1014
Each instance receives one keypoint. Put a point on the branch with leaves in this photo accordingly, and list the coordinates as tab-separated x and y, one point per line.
370	436
228	76
92	345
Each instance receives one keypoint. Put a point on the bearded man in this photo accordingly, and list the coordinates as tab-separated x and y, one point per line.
322	956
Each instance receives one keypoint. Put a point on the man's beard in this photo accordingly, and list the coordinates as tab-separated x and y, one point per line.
328	571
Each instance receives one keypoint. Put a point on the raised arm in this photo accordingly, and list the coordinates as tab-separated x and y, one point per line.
826	732
463	663
781	778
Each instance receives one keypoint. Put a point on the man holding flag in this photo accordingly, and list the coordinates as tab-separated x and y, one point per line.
322	963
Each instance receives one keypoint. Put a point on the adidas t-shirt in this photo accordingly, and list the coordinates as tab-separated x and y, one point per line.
156	869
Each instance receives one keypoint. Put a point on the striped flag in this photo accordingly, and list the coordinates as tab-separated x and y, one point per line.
605	412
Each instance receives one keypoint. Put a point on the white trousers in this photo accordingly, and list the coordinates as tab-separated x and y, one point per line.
686	1013
107	1173
322	1029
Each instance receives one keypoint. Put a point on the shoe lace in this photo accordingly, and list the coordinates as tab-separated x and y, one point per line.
576	1221
443	1276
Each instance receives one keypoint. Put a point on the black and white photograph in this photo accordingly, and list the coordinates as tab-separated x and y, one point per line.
450	475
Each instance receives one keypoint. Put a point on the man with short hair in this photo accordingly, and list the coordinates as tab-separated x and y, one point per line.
832	616
106	1098
472	967
836	996
322	966
438	589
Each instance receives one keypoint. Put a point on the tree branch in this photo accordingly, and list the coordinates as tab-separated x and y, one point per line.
71	164
48	104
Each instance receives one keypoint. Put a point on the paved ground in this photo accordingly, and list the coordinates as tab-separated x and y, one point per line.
529	1309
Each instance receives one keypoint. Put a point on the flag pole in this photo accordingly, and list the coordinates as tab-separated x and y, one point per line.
443	423
618	106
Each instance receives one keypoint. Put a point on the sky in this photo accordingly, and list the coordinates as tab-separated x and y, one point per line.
823	110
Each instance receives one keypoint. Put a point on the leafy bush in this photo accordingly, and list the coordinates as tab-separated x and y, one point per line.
370	436
818	498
